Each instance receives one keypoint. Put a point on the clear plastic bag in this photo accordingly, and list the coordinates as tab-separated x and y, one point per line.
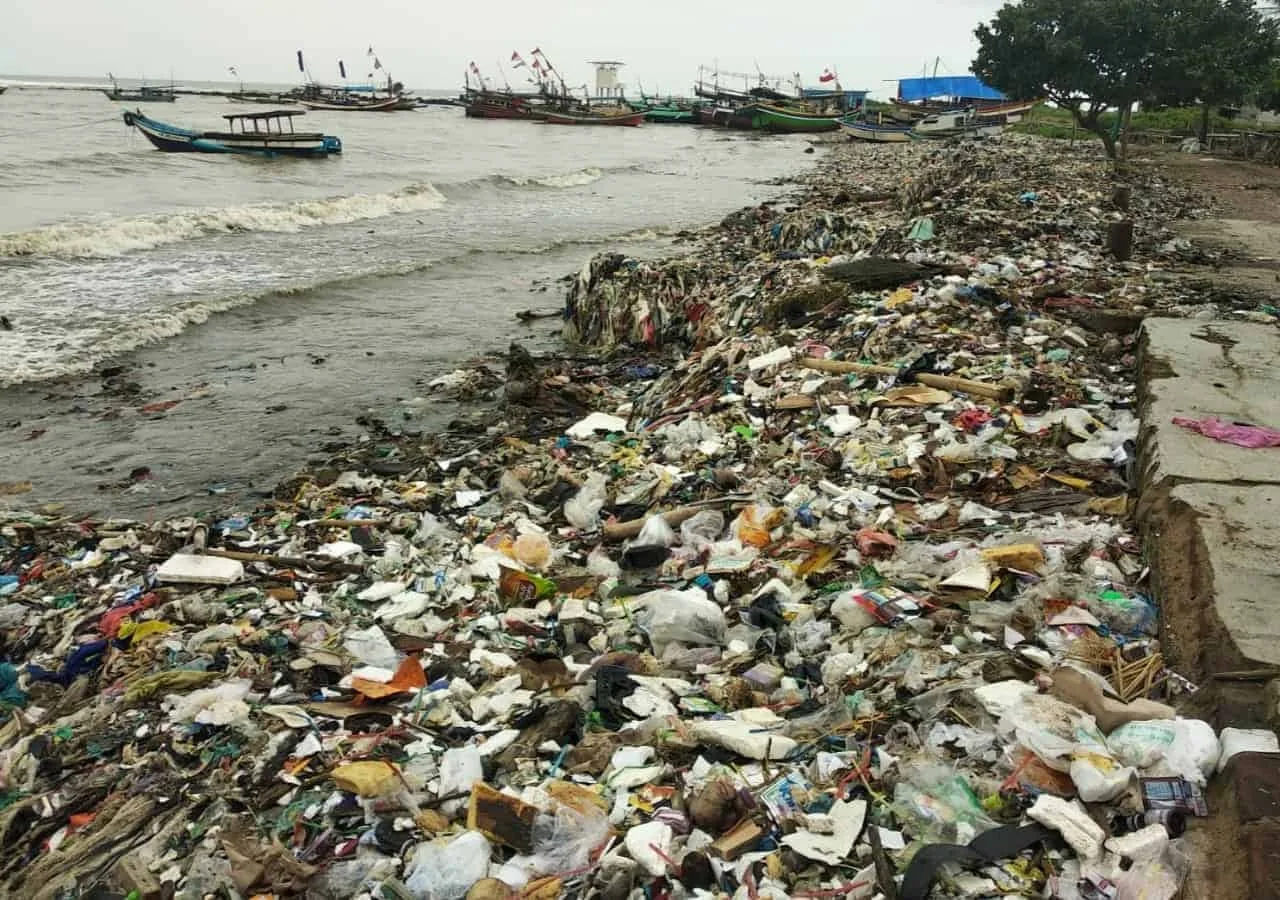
583	508
687	617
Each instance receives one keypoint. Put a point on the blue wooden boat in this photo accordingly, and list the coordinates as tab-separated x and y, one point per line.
251	133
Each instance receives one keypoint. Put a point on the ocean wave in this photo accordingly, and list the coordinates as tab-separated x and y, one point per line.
117	237
580	178
79	354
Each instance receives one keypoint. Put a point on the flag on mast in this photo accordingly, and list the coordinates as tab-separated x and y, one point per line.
827	76
301	68
517	61
232	70
342	69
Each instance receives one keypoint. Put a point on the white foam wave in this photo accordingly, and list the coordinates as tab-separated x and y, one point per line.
119	236
569	179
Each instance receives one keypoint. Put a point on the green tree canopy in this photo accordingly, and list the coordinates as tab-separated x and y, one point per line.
1090	55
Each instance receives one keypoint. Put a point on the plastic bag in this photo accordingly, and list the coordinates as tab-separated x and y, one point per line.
939	806
583	508
563	840
702	530
755	524
684	616
1142	744
446	871
655	533
1246	740
1054	731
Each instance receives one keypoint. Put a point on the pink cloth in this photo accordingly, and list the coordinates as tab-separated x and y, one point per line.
1251	436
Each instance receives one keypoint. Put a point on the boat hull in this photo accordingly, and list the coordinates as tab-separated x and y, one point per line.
134	97
879	134
498	111
668	116
391	104
172	139
779	121
625	120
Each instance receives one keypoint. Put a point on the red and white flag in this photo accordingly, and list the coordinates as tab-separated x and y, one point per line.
827	76
475	70
517	61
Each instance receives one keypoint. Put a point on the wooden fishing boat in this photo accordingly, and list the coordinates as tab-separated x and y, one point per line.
144	94
766	117
880	134
498	105
247	133
628	119
670	115
349	103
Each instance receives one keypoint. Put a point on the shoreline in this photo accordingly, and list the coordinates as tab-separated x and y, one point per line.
970	515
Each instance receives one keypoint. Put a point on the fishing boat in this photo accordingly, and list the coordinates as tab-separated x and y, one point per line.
626	119
779	119
877	133
144	94
341	101
258	134
500	105
671	114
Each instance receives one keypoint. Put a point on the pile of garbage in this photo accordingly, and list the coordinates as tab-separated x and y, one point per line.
821	585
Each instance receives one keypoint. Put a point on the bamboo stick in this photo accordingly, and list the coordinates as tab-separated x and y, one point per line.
1000	392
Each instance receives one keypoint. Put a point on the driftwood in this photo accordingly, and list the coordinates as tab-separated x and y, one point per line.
1001	392
621	531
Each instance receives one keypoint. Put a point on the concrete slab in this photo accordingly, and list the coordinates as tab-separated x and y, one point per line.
1208	368
1210	512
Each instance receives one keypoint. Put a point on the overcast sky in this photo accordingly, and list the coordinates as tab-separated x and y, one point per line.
428	44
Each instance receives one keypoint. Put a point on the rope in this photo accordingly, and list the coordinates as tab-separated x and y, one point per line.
29	131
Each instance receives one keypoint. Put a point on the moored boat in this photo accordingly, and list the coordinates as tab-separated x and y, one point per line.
630	119
144	94
766	117
258	140
339	103
880	134
670	115
500	105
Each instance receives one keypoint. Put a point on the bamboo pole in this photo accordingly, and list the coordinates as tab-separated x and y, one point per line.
1000	392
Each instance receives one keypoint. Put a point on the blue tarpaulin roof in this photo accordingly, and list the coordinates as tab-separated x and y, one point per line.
946	86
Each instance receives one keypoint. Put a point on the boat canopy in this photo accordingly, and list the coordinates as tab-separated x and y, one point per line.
261	121
272	114
966	86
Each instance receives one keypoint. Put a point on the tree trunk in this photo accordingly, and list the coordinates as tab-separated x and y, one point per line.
1091	123
1108	140
1204	126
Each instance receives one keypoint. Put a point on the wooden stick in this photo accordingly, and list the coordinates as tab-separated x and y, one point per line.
1000	392
292	562
621	531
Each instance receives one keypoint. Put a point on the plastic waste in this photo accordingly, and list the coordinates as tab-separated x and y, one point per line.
371	647
687	617
185	568
583	509
446	870
1252	437
1072	821
702	530
755	524
1246	740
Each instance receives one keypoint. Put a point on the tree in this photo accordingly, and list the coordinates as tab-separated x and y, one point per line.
1085	56
1089	56
1223	53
